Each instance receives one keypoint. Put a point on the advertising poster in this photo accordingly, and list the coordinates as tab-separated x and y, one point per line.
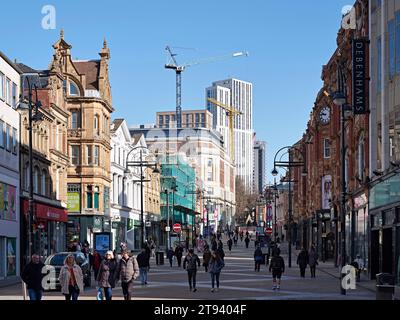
102	242
12	214
326	191
11	257
74	201
5	195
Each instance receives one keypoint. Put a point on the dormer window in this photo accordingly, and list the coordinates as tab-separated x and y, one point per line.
73	89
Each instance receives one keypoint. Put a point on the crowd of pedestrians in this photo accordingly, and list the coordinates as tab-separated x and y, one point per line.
110	269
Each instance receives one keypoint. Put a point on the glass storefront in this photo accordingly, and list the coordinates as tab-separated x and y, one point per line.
361	235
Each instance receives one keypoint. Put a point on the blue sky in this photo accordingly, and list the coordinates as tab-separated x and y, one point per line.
288	42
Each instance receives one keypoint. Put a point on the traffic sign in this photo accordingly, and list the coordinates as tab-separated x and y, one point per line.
268	230
177	227
167	229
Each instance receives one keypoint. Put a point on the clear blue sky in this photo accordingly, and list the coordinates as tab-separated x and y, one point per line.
288	42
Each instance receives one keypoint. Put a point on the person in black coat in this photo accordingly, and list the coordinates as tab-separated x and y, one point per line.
179	254
33	276
230	242
170	255
302	261
143	261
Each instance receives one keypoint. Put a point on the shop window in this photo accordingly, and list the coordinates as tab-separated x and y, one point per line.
44	183
36	180
96	197
89	197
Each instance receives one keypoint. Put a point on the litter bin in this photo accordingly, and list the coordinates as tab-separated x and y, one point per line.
159	257
384	286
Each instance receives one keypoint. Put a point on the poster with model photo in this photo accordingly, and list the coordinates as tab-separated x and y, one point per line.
326	191
11	257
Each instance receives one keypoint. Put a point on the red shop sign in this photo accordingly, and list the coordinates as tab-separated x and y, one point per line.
46	212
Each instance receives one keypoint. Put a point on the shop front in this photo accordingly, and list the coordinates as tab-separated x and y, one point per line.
49	228
9	233
384	235
81	228
359	229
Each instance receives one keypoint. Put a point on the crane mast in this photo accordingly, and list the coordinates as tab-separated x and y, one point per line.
173	65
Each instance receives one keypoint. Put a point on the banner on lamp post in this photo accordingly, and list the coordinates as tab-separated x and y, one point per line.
359	76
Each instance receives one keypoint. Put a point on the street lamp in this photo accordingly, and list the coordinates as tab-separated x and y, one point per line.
38	116
339	98
290	164
141	164
276	196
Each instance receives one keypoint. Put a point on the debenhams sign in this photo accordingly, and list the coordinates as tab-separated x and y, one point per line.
359	76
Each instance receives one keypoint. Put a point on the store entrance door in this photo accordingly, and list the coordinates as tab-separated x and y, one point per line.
374	253
387	251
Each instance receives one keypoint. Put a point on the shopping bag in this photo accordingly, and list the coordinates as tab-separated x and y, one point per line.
99	295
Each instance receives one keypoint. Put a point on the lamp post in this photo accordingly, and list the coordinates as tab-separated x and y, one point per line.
141	164
32	118
339	98
275	197
290	164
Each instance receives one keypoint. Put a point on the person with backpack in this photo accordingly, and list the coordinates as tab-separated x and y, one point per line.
216	265
128	271
247	240
190	263
277	266
302	261
258	257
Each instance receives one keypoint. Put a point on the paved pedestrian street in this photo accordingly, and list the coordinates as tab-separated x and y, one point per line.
238	281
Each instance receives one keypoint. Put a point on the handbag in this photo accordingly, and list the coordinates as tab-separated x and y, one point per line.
99	295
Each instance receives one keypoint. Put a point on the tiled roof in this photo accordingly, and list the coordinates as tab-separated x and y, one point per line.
91	69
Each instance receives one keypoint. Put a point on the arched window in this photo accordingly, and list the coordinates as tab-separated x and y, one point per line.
43	184
73	89
36	180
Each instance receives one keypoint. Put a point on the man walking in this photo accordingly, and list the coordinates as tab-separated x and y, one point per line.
247	240
230	242
143	261
302	261
32	276
178	254
128	271
190	264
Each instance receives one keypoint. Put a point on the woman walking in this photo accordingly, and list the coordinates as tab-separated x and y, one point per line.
71	278
216	265
107	274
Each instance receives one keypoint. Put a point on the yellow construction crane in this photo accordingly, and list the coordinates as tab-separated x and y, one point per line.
230	112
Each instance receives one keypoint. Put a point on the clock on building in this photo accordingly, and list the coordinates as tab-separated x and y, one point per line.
325	115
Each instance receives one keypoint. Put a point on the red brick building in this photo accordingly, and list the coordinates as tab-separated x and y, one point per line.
317	196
